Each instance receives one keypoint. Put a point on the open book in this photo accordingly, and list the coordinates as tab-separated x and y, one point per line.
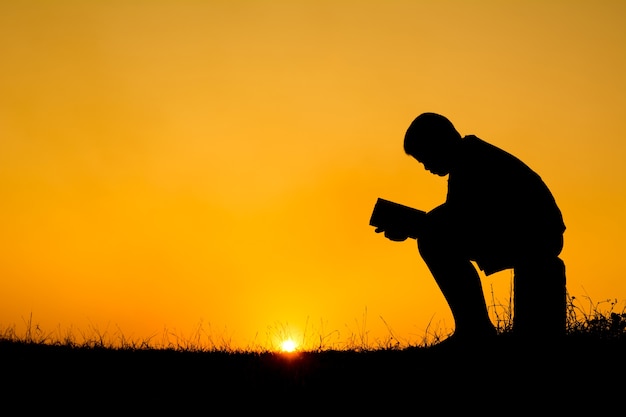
388	215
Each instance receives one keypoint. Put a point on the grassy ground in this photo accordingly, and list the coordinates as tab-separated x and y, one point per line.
581	373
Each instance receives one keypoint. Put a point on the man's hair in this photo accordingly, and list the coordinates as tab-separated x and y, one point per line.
429	130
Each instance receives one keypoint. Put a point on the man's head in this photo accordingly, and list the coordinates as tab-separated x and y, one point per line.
432	139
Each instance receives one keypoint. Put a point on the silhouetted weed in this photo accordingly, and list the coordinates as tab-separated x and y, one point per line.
175	375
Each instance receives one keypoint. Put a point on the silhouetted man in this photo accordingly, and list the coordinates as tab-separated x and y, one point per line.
499	214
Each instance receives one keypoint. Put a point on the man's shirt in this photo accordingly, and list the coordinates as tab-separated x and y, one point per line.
501	208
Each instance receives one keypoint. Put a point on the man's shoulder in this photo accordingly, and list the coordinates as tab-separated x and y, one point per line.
477	146
473	140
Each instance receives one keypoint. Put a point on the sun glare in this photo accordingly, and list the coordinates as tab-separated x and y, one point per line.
288	346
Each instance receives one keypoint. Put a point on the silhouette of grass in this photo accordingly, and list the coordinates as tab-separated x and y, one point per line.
178	374
603	320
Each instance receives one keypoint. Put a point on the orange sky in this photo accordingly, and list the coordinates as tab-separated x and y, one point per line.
169	166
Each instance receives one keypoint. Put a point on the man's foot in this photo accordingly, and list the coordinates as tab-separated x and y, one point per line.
467	341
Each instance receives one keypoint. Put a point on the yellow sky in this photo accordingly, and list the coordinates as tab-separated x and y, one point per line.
167	166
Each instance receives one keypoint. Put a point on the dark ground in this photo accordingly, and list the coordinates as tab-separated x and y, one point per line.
581	375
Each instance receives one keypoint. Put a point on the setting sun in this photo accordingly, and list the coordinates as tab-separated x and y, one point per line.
288	346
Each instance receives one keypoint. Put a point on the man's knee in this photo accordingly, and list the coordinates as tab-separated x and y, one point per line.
429	247
438	244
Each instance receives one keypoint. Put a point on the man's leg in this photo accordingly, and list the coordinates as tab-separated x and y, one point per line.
539	299
460	284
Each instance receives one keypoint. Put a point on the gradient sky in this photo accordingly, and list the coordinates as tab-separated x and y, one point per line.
209	167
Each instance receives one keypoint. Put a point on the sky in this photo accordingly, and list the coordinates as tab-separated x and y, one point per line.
204	171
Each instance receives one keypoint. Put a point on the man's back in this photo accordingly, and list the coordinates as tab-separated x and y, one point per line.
498	200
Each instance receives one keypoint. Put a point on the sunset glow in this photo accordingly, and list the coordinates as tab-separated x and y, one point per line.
288	346
164	164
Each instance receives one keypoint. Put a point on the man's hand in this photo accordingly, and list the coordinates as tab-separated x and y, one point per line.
395	235
397	221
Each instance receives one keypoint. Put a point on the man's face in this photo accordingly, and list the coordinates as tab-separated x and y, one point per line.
436	165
